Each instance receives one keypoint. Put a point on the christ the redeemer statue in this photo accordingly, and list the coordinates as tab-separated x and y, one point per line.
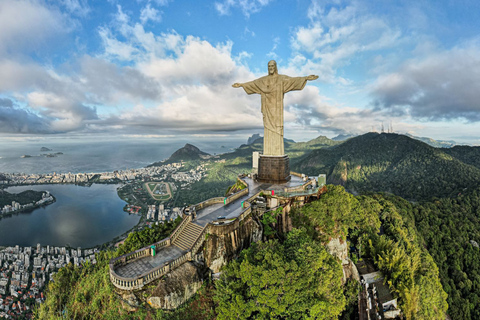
272	88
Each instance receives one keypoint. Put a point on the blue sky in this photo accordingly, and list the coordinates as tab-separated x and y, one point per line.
164	68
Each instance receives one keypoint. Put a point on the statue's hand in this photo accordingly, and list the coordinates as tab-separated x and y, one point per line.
236	85
312	77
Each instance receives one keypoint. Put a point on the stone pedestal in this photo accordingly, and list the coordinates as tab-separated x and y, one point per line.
273	169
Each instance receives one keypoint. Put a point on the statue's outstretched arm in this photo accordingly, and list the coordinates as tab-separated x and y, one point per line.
237	85
312	77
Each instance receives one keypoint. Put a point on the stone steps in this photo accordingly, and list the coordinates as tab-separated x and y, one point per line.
187	237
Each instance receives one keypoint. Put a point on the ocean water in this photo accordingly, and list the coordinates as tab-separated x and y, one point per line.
97	156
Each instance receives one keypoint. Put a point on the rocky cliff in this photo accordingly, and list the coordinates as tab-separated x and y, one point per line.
224	242
339	249
176	287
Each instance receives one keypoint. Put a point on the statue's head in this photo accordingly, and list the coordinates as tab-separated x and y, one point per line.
272	67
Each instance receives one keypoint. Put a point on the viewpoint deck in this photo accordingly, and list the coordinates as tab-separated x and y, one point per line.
233	210
135	269
140	266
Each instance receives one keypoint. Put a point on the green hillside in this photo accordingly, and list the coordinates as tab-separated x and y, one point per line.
223	171
23	198
427	249
393	163
466	154
286	277
186	153
451	231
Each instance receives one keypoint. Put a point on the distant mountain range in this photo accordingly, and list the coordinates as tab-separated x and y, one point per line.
434	143
343	137
395	163
256	138
385	162
253	138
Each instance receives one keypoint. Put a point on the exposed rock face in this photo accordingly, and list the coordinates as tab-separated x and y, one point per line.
225	242
339	249
350	271
129	302
177	287
339	174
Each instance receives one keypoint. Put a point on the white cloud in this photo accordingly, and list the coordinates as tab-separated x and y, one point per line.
63	113
178	82
77	7
197	62
442	86
335	37
27	25
272	54
309	110
19	120
121	16
162	2
149	13
130	42
247	6
17	76
104	82
114	48
194	76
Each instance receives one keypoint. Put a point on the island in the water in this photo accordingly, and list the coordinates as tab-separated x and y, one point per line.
48	155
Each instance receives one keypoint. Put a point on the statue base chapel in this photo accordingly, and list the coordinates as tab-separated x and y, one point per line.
274	169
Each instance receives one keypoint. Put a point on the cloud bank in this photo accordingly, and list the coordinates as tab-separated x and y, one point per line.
443	86
142	82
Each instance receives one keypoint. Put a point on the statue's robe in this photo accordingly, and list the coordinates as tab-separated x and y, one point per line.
272	88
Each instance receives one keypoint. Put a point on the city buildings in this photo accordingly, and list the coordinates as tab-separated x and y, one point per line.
24	274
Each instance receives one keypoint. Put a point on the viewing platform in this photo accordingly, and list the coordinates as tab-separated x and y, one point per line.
135	269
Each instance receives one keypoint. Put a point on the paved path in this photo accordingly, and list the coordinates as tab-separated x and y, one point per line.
204	216
140	266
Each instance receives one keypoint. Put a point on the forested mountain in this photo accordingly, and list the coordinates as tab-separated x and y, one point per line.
285	277
429	141
395	163
466	154
426	249
187	153
451	229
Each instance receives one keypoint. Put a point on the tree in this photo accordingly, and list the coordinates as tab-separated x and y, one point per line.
294	280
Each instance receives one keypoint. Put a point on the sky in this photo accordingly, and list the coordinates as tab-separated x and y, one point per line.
153	69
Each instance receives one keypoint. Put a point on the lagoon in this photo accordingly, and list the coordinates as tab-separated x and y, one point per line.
81	217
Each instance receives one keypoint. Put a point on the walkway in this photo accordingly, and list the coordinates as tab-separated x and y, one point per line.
193	229
140	266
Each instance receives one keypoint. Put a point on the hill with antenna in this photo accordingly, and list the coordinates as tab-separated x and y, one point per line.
394	163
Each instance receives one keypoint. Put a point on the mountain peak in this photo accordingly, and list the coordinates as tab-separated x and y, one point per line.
188	152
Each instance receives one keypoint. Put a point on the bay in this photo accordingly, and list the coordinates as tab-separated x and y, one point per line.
96	155
81	217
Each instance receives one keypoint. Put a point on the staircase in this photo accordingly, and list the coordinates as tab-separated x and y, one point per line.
187	236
